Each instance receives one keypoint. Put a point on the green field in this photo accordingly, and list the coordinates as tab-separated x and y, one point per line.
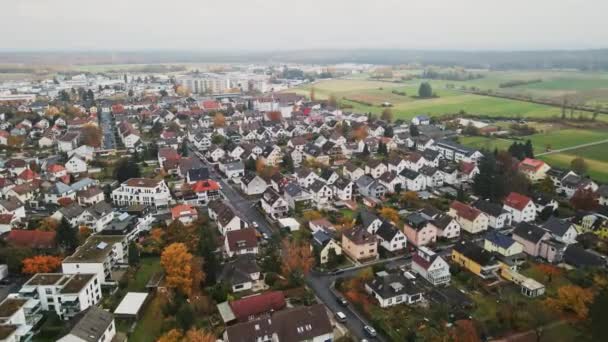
595	156
406	107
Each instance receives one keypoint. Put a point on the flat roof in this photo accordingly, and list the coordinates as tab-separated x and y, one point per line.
95	249
10	305
77	283
44	279
131	303
7	330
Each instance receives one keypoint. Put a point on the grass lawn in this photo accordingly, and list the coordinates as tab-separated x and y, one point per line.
149	325
148	266
598	168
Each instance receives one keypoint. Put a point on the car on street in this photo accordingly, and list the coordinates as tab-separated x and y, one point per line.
255	224
342	301
370	331
340	317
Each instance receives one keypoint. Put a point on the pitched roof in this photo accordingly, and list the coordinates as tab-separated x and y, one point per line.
297	324
490	208
242	239
31	238
247	307
92	324
529	164
517	200
557	226
474	252
465	211
529	232
500	240
360	236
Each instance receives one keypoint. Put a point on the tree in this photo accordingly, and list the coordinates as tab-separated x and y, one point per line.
41	264
185	316
260	165
488	183
387	115
389	214
414	131
66	237
180	233
365	150
579	165
598	311
297	260
547	186
425	90
173	335
287	163
199	335
388	132
312	93
91	135
585	199
382	149
464	331
332	101
184	149
133	254
126	168
219	120
48	225
207	248
360	133
528	149
182	91
176	262
573	299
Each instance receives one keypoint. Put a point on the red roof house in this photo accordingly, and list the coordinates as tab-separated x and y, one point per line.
36	239
254	306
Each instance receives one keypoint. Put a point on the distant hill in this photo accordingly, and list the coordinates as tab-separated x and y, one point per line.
498	60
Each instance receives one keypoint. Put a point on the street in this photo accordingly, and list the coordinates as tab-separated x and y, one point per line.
322	285
245	207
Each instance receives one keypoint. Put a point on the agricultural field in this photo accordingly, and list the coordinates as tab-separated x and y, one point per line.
354	92
595	156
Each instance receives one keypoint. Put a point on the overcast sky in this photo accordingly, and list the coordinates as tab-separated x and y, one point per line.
288	24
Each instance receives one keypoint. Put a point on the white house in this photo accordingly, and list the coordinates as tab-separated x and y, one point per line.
252	184
99	255
393	289
273	204
431	266
96	325
66	294
143	191
76	165
521	207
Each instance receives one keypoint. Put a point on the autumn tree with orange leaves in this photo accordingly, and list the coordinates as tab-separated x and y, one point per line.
297	260
464	331
219	120
192	335
389	214
572	298
177	263
91	135
41	264
360	133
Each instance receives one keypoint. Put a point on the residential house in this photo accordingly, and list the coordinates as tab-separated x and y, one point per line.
142	191
359	244
273	204
19	316
369	187
475	259
65	294
321	192
414	181
76	165
534	169
225	217
502	244
184	213
242	274
325	244
391	289
562	230
304	323
252	184
95	325
99	255
431	266
375	168
242	241
521	207
390	237
470	219
498	217
343	189
418	230
446	226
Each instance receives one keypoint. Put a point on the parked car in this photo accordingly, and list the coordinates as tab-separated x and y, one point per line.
342	301
370	331
340	317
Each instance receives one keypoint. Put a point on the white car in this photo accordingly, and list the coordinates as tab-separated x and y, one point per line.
370	331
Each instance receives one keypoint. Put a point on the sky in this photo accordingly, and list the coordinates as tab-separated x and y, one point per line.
304	24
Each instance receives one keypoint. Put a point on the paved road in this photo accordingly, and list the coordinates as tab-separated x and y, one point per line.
107	127
321	284
245	207
574	147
